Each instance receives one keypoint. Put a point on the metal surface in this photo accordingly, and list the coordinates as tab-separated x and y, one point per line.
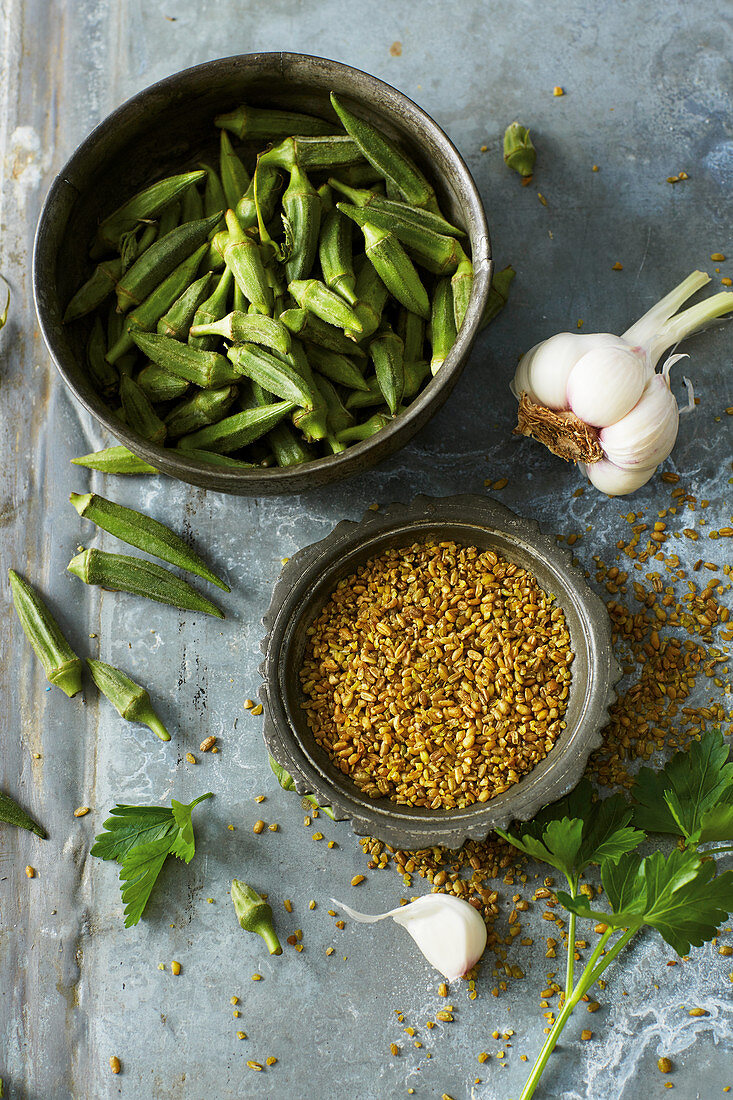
648	94
307	582
168	128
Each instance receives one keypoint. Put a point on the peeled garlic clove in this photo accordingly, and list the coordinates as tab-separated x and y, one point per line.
450	933
615	482
646	435
606	383
554	359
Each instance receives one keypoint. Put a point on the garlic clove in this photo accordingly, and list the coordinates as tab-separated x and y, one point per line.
450	933
646	435
520	382
615	482
606	383
553	360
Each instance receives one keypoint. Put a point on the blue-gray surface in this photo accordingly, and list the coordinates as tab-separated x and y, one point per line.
648	94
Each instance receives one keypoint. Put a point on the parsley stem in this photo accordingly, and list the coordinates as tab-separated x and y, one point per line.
569	969
718	851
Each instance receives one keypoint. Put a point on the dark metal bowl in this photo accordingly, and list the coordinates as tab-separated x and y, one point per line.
306	584
166	129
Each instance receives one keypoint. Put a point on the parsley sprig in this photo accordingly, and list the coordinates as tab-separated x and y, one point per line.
141	838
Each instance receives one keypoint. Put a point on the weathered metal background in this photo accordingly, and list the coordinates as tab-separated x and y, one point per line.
648	94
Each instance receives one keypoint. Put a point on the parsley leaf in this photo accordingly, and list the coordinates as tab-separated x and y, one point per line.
141	838
692	796
287	783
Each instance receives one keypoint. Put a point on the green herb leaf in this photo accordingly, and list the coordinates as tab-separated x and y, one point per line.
183	845
284	778
130	826
692	796
140	869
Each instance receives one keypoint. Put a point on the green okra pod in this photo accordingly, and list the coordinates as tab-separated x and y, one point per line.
140	416
287	448
313	295
312	422
212	310
338	368
130	700
122	573
60	663
103	374
248	328
115	460
325	194
389	161
192	205
411	331
160	260
462	283
214	198
519	152
207	369
415	215
160	385
210	458
262	124
442	324
268	188
273	374
145	533
335	255
337	417
170	219
311	152
498	294
255	915
301	219
243	257
437	253
146	204
177	321
95	290
238	430
365	399
234	176
12	814
205	407
147	315
387	352
313	330
371	298
214	260
395	269
359	175
365	430
416	371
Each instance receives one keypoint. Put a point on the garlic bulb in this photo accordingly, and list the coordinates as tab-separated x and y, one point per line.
450	933
595	399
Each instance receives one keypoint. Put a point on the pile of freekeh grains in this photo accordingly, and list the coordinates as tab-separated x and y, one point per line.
437	675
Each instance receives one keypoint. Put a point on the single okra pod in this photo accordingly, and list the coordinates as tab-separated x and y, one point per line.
145	533
431	250
498	294
325	194
301	219
368	398
311	152
214	198
262	124
115	460
159	384
411	331
248	328
442	324
234	176
147	315
313	295
415	215
61	664
462	283
207	369
160	259
243	257
339	368
390	161
179	318
134	243
212	310
95	290
122	573
170	219
144	205
268	188
312	422
313	330
519	152
103	374
387	352
273	374
416	372
365	430
255	915
335	255
192	205
359	175
12	814
287	448
395	269
214	260
371	298
140	416
337	416
238	430
213	459
205	407
131	701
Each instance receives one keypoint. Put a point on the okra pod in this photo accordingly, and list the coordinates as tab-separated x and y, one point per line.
498	294
262	124
273	374
207	369
122	573
371	298
179	318
146	204
442	324
411	331
313	295
192	205
310	421
268	187
311	152
205	407
438	253
211	311
215	256
103	374
234	176
214	198
248	328
389	161
238	430
242	256
315	331
159	384
416	215
365	399
60	663
338	368
287	448
359	175
416	371
335	255
395	269
302	218
115	460
325	194
145	533
159	260
210	458
387	352
170	219
254	914
462	283
140	416
98	286
130	700
12	814
364	430
337	417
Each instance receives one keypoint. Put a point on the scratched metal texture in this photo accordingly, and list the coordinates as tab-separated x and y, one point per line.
648	94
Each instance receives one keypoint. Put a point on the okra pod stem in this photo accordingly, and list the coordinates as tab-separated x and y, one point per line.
115	460
147	203
130	700
61	664
255	915
262	124
122	573
238	430
145	533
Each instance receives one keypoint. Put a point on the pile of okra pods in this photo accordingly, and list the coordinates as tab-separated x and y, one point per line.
273	319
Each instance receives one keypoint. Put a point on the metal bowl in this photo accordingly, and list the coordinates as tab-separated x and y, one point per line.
306	584
166	129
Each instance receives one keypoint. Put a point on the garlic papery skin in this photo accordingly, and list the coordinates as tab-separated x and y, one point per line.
615	482
450	933
606	383
647	434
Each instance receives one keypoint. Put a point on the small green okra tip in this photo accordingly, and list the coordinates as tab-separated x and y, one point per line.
255	915
130	700
12	813
60	662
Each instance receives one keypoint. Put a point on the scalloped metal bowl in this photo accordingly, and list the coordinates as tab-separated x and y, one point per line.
168	127
305	585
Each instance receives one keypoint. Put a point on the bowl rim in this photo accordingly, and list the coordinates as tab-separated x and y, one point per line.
404	826
329	467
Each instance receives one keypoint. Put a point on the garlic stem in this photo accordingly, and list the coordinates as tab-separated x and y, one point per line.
644	330
689	321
